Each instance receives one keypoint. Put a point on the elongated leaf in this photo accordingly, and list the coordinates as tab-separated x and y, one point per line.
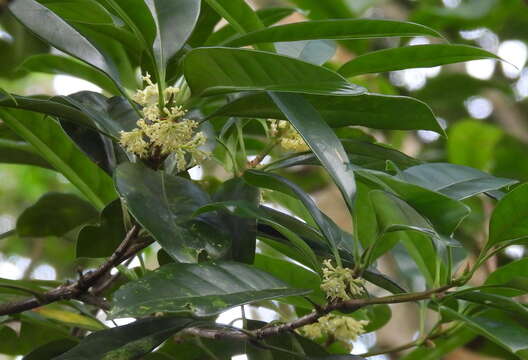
46	106
237	13
443	345
217	70
370	110
69	211
509	220
53	145
163	204
20	152
455	181
511	275
497	328
413	57
316	52
267	16
334	29
209	288
332	233
55	64
175	21
243	232
321	139
492	300
50	27
360	153
70	318
127	342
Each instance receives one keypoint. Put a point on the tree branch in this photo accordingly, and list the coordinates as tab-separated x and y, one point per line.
79	289
348	305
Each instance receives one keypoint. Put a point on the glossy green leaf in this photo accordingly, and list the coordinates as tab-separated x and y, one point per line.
243	232
20	152
69	211
332	233
50	27
499	329
457	182
413	57
53	145
237	13
165	214
217	70
127	342
209	288
321	139
360	153
509	220
46	106
340	29
493	300
51	349
316	52
175	21
370	110
101	240
511	275
267	16
57	65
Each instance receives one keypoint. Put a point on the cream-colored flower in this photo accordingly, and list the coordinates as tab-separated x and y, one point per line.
289	138
134	142
343	328
166	131
339	283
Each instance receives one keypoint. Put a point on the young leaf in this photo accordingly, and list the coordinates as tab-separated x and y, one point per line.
410	57
509	220
53	145
67	212
127	342
217	70
457	182
370	110
340	29
210	288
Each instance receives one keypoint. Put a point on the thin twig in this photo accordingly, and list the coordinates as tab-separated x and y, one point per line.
79	289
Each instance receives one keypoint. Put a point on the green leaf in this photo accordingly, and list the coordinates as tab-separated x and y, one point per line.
511	275
208	289
51	106
370	110
54	146
51	350
316	52
321	139
509	220
462	143
243	232
163	204
20	152
443	345
457	182
98	241
72	319
127	342
175	21
55	64
57	32
54	214
216	70
237	13
341	29
360	153
497	328
412	57
492	300
332	233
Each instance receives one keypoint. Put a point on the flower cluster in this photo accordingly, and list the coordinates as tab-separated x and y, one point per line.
289	138
164	129
343	328
339	283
